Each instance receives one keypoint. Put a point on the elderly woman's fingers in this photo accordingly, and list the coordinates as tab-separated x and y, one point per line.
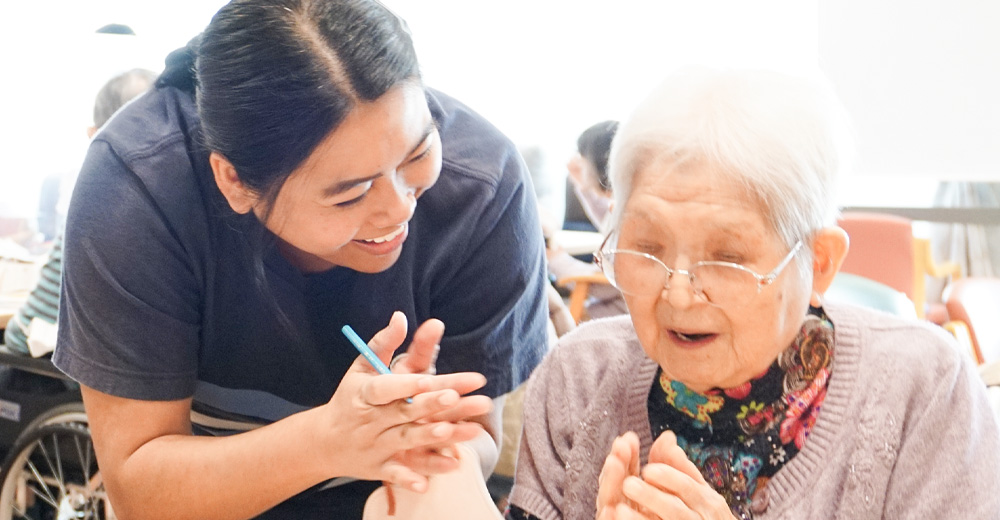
662	480
626	512
654	501
622	461
665	450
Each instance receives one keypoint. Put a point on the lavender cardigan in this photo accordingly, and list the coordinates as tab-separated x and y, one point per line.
905	431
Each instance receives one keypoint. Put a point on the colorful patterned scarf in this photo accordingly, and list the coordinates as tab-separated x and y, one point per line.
740	437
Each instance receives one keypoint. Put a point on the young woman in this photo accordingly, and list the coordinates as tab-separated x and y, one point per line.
229	223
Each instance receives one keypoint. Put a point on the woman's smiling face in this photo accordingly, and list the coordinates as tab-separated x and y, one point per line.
350	202
683	215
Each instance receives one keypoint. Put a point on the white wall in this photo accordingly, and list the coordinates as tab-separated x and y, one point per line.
920	76
544	70
921	79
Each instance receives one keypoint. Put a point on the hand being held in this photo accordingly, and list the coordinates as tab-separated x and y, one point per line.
374	434
670	486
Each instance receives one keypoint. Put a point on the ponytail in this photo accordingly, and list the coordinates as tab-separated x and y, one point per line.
179	71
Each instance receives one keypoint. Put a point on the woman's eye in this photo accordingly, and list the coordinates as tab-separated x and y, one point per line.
349	203
733	258
648	248
361	190
420	156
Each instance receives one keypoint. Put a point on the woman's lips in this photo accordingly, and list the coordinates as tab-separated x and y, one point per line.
691	339
384	244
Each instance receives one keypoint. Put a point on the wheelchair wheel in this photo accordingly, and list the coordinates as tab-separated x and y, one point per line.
64	413
51	474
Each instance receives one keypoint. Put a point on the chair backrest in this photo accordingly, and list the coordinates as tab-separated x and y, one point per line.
851	288
881	249
976	301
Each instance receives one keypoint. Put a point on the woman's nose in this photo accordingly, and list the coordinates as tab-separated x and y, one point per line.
679	291
399	202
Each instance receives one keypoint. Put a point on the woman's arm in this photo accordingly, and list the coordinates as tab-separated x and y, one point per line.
154	468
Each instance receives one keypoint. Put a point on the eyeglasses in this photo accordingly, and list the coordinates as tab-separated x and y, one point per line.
723	284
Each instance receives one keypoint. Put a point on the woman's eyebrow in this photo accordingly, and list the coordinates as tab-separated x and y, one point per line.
424	135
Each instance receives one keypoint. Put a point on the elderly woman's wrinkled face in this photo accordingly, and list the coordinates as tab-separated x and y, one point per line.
683	215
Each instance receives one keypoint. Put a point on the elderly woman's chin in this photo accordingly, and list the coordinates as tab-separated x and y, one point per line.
706	347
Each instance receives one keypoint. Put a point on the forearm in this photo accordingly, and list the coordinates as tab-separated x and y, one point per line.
487	443
235	477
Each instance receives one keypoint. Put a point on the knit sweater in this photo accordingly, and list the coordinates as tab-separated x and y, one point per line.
905	431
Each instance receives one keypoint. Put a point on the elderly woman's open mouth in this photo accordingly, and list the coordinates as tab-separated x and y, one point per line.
692	338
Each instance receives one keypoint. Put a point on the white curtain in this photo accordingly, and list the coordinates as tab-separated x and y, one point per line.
975	247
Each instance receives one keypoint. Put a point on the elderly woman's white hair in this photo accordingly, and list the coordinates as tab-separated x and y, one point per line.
784	139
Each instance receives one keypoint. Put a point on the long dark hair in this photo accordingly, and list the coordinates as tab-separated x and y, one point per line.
272	78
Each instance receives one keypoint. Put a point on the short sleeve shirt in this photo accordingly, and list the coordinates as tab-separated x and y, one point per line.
161	299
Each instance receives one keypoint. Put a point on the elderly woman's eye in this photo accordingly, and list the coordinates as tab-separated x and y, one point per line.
733	258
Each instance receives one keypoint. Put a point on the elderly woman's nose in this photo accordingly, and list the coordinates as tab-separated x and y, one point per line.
679	291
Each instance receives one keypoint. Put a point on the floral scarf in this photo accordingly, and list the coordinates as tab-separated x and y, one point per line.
740	437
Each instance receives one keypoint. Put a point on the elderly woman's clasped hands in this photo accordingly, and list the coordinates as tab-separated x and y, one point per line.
668	487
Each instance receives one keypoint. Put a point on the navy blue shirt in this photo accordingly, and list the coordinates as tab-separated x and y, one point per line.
159	300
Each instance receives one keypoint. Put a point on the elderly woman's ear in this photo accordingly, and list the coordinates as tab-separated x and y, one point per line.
829	249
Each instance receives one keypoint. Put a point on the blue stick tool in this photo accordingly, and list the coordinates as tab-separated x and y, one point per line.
367	352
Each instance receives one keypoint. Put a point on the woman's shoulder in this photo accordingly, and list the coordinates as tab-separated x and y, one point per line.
147	126
912	352
598	351
471	146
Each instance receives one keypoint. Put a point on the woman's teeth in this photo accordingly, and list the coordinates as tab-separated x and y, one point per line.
386	238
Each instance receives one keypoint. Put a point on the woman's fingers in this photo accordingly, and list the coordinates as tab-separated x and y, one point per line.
670	492
665	450
384	389
653	500
421	355
385	342
622	461
468	407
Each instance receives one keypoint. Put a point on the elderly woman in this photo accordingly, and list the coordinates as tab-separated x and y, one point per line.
732	390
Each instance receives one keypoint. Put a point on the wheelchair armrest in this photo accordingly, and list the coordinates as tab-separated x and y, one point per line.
42	366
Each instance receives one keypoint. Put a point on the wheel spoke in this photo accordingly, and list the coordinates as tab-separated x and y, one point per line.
47	496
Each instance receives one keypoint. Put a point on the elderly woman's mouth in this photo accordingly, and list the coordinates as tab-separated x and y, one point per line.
692	338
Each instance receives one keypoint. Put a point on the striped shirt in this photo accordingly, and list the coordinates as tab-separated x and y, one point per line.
42	303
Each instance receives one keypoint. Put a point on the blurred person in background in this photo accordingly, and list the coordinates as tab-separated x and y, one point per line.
39	313
588	173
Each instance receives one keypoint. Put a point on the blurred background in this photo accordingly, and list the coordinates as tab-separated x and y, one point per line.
919	77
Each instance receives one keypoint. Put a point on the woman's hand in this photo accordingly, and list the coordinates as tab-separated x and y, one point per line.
672	487
620	464
669	487
374	434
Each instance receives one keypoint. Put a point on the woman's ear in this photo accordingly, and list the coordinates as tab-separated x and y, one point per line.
829	250
240	198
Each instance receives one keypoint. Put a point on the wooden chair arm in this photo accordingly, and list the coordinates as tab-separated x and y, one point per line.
961	332
581	287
